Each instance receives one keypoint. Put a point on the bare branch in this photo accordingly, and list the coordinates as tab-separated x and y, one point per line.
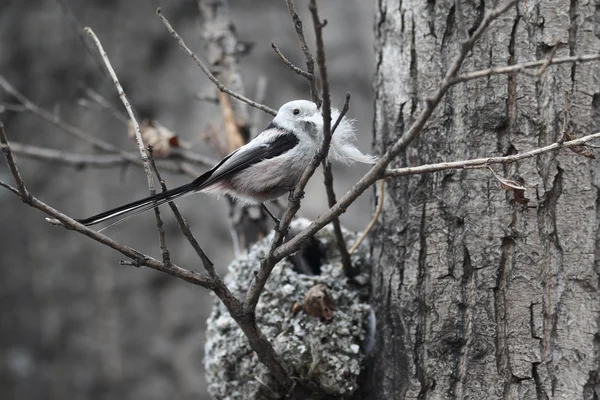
206	71
80	160
176	154
185	227
337	229
21	189
138	135
105	104
166	256
66	158
79	32
378	170
484	162
373	220
310	62
516	68
55	120
7	186
548	61
69	223
291	66
267	264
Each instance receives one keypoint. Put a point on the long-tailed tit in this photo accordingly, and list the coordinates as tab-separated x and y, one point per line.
267	167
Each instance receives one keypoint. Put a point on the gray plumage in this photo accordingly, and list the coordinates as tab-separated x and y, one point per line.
264	169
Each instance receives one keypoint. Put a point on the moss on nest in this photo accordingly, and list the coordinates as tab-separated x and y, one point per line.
328	355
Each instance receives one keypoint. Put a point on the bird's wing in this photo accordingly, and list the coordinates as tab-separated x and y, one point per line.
246	156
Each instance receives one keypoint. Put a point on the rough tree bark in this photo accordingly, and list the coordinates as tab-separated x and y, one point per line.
476	295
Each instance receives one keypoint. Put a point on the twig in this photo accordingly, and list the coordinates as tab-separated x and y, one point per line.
349	270
185	227
78	31
80	160
72	130
268	263
138	135
509	69
166	256
176	154
206	71
378	170
291	66
484	162
374	220
62	157
69	223
548	61
12	189
310	62
102	102
21	189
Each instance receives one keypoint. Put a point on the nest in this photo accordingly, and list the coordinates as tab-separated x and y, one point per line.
326	351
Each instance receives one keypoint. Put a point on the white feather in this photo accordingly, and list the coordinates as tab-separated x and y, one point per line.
342	147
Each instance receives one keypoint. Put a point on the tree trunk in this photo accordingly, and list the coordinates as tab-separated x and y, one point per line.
476	294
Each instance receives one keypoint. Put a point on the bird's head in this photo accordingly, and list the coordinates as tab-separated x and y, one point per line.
304	119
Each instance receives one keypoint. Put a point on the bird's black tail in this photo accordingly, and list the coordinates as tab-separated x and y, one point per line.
142	205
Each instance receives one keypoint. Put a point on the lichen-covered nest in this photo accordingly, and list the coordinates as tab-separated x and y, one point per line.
327	354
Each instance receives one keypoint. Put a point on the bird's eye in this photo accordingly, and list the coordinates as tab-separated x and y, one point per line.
296	111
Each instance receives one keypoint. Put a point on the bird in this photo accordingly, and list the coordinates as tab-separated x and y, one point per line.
267	167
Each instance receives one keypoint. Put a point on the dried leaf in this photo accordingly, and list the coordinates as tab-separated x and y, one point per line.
296	308
507	183
154	134
583	150
318	302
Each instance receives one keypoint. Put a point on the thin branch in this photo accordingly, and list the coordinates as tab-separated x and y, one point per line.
516	68
55	120
378	170
77	28
166	256
106	105
21	189
548	61
373	220
185	227
207	72
310	62
176	154
337	229
69	223
291	66
268	263
66	158
12	189
138	135
349	270
81	160
484	162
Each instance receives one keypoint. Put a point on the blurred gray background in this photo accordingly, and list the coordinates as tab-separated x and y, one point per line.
73	323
